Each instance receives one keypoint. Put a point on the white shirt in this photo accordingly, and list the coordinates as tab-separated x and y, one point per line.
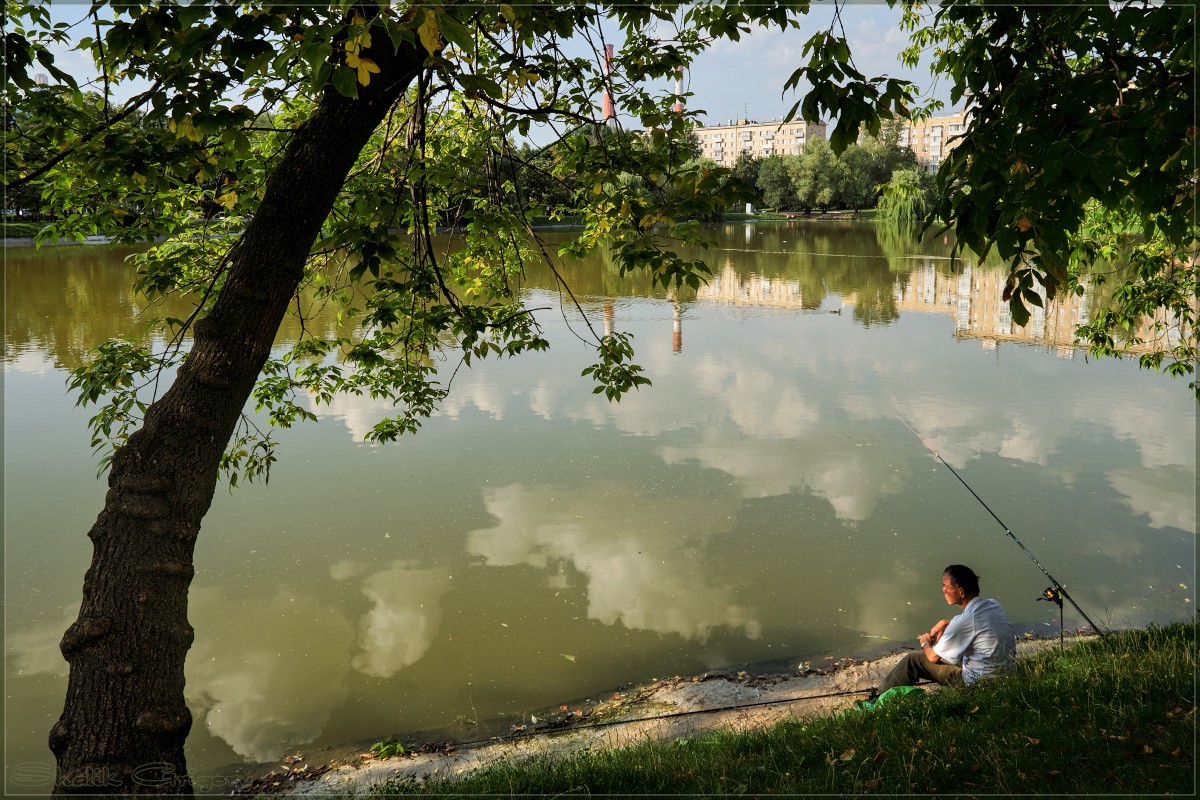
980	640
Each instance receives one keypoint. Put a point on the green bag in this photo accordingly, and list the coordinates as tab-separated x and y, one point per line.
891	695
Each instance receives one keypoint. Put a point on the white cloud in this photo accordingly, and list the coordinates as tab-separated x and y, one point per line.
35	651
482	394
358	413
1166	496
404	619
852	483
256	684
643	559
28	362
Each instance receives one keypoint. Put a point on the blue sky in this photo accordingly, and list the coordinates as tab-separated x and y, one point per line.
746	78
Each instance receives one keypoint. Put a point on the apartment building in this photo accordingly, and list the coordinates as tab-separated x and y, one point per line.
931	139
724	143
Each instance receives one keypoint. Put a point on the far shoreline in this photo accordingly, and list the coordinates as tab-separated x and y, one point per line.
866	215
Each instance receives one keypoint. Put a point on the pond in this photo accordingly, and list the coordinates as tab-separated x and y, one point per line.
534	543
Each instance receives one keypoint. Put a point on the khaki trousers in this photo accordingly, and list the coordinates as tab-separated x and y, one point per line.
915	667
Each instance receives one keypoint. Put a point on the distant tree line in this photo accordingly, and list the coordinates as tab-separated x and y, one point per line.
816	179
862	177
874	172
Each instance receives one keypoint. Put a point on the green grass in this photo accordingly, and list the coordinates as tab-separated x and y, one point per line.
1114	717
21	230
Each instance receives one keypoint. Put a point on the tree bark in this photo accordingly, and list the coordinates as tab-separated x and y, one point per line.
124	722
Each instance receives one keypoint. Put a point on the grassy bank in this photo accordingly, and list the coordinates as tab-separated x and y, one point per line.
22	230
1105	717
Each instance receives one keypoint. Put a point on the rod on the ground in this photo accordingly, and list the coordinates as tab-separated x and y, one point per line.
1057	586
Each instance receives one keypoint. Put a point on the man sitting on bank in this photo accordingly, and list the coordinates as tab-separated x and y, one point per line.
977	643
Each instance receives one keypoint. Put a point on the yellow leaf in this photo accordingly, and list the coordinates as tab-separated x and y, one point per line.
184	128
365	67
507	10
227	200
431	37
568	658
140	178
846	756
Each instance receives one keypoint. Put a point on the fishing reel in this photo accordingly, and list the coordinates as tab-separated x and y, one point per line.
1052	594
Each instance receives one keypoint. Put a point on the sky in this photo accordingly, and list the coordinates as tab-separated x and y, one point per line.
745	79
732	80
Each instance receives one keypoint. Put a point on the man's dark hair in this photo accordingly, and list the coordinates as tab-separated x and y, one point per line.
964	578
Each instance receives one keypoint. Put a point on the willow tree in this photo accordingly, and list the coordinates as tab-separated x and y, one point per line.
905	198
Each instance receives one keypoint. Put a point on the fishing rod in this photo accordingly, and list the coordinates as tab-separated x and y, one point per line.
1056	592
566	727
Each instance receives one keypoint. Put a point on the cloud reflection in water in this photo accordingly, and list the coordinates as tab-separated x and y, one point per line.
643	556
404	619
253	678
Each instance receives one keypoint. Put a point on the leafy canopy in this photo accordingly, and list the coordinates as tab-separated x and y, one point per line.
424	250
1079	155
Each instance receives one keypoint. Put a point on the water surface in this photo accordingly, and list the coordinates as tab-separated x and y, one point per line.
535	543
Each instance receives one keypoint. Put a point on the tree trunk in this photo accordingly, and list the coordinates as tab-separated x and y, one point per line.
124	721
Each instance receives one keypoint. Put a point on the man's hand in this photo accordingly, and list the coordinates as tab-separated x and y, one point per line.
935	632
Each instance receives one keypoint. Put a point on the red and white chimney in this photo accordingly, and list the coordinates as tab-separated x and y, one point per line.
610	113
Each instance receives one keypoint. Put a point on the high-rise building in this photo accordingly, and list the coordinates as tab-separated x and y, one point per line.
932	139
724	143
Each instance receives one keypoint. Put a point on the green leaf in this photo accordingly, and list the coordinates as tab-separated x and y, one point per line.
345	81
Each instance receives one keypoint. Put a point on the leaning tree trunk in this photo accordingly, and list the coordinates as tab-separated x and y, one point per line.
124	723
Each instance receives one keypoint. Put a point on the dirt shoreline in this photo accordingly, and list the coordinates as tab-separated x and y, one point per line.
663	710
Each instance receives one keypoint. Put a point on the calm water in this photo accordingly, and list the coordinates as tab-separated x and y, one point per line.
534	543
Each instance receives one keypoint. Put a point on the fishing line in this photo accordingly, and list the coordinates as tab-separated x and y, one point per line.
1057	587
610	723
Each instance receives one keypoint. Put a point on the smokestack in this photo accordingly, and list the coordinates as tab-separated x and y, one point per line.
678	107
610	113
676	326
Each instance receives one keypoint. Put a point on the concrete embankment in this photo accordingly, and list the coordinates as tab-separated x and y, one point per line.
663	710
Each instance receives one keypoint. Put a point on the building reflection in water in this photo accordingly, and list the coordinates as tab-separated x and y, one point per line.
973	297
730	288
